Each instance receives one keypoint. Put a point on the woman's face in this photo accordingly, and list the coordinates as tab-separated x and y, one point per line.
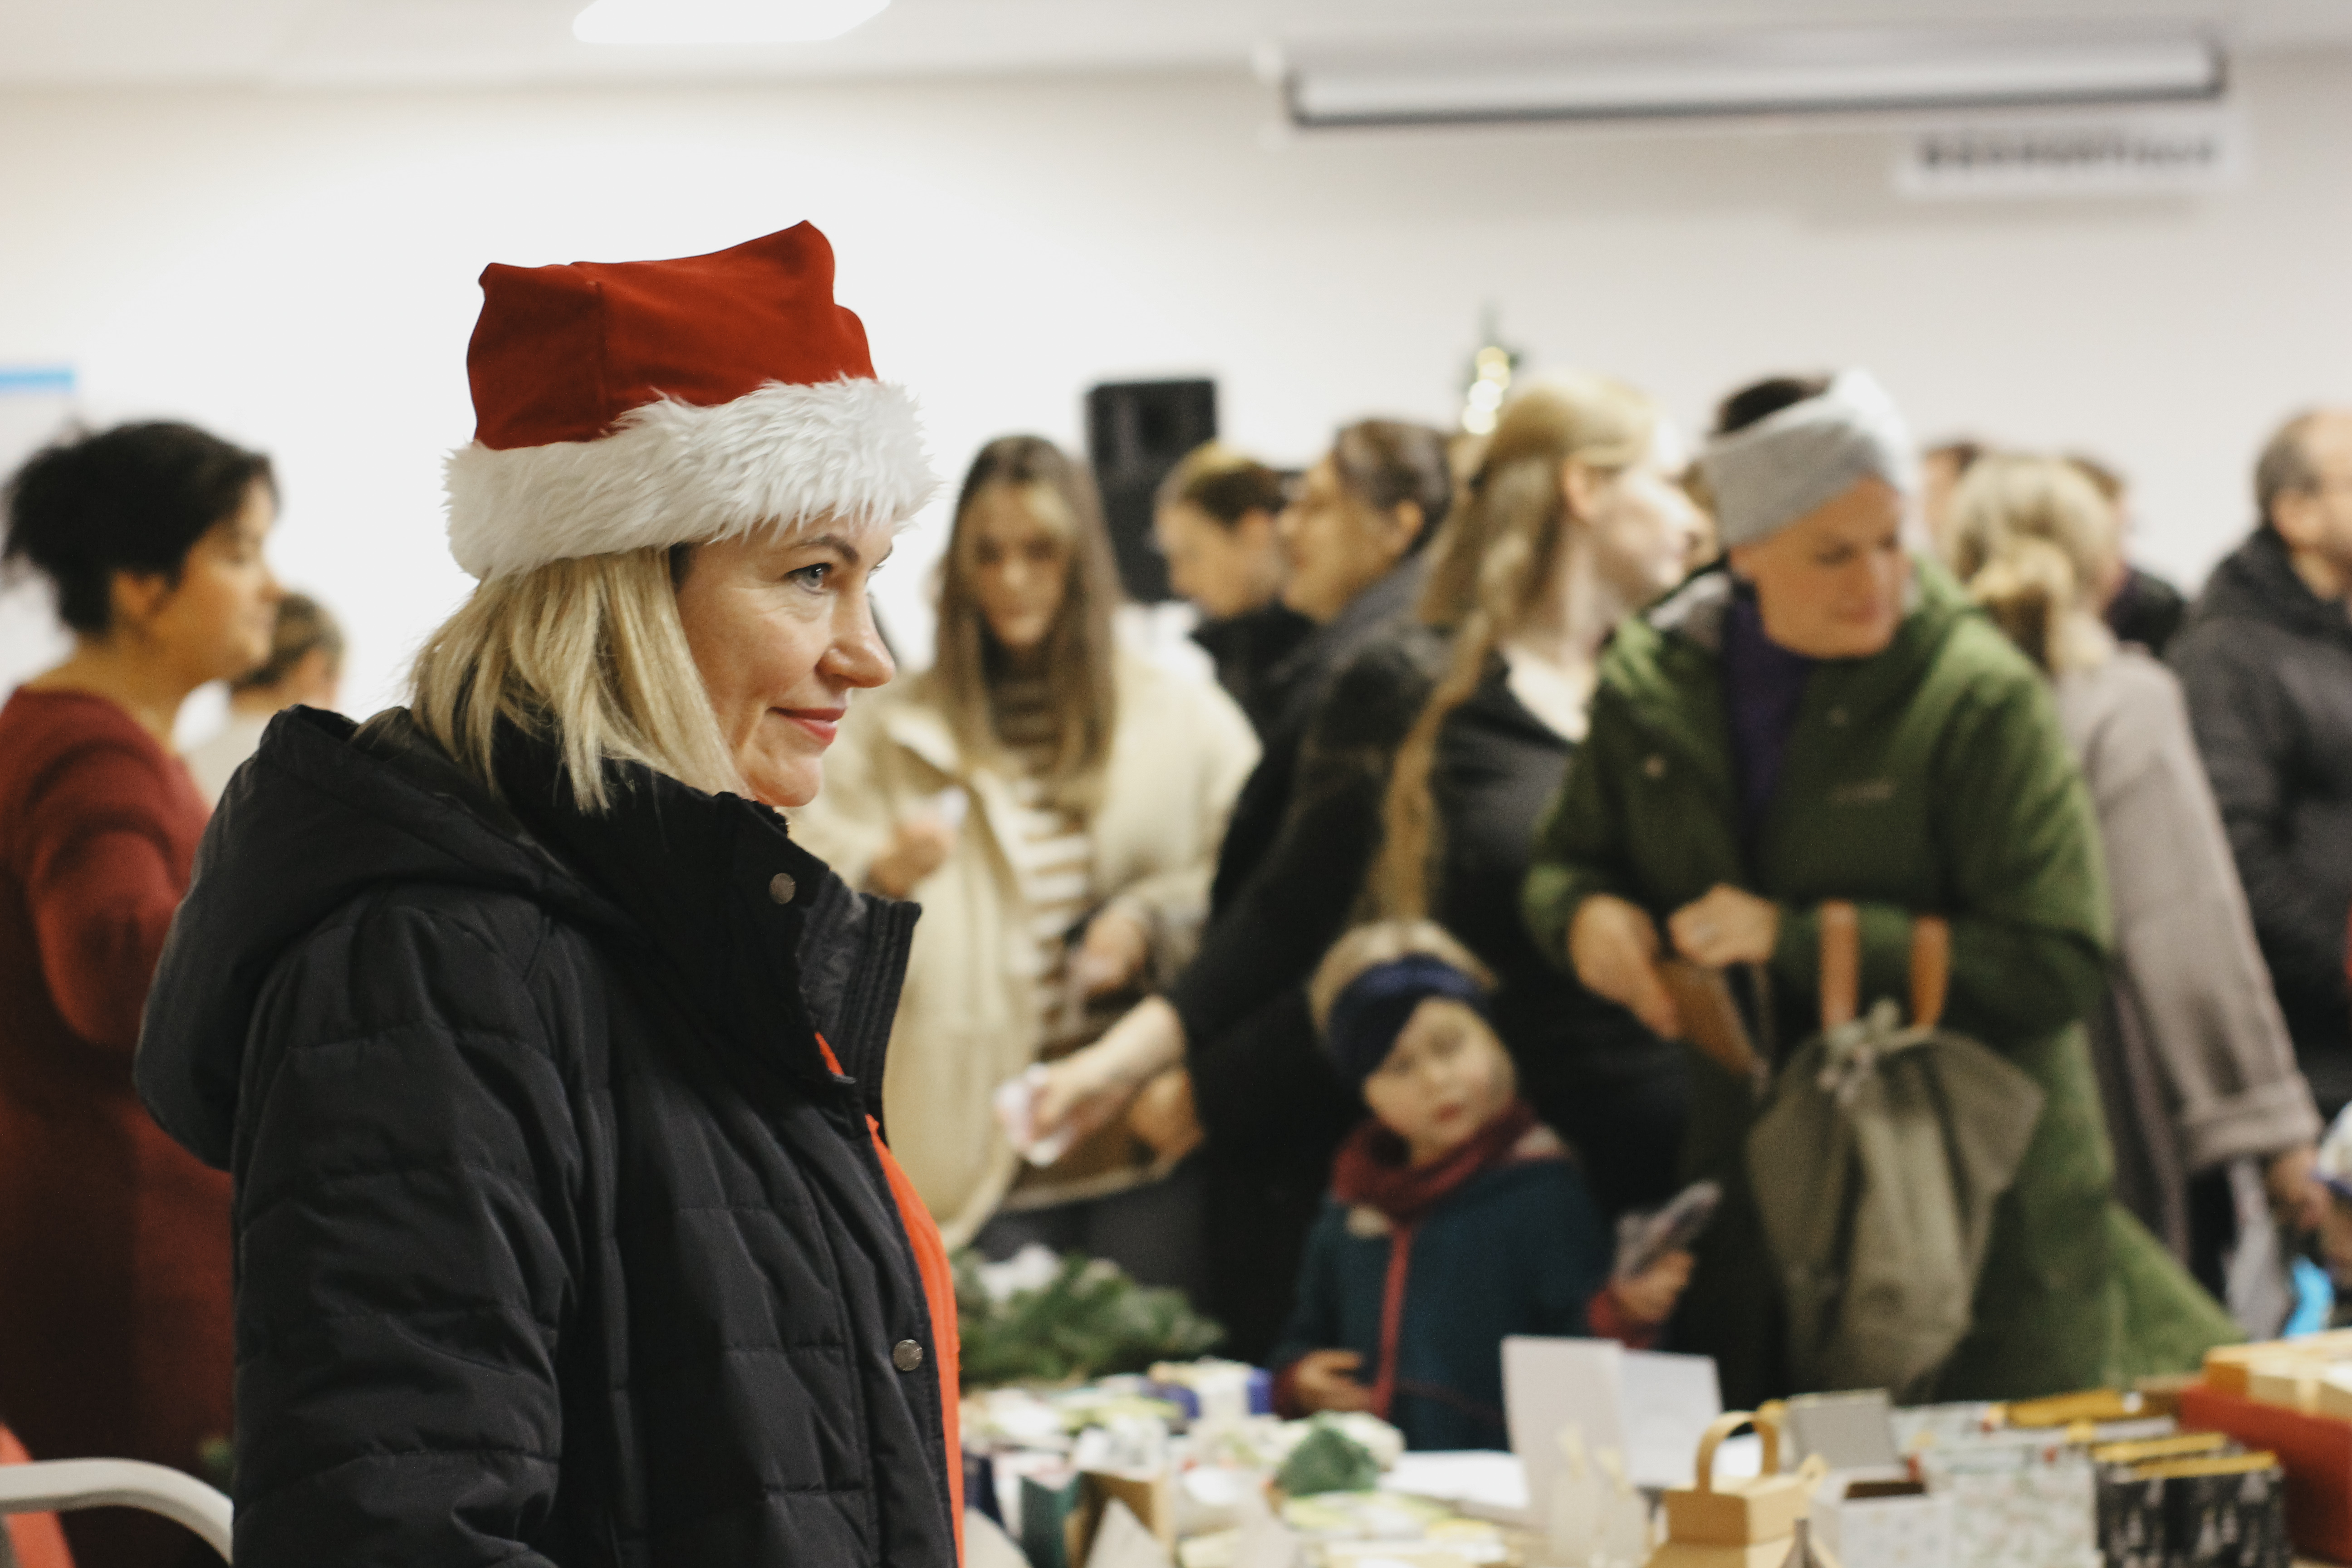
1334	546
1223	571
781	633
1020	565
1832	583
1446	1078
1643	526
215	622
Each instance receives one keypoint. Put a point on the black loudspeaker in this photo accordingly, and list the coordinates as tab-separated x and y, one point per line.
1136	432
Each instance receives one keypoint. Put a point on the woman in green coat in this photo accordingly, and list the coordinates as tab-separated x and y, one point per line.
1826	719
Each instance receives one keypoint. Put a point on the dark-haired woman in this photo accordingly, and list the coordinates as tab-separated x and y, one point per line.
1827	719
114	1264
1289	875
1089	791
1215	524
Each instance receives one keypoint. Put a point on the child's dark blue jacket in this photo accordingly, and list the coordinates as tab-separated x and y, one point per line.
1424	1272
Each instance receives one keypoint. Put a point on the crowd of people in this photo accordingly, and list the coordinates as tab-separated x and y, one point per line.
548	1106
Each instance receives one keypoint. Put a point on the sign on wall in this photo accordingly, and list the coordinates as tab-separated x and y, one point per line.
2147	153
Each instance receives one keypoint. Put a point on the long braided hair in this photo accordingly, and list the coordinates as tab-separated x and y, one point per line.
1489	569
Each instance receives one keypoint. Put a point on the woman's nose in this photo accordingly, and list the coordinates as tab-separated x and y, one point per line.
858	655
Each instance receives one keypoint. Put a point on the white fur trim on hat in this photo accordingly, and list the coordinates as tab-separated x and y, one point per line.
671	473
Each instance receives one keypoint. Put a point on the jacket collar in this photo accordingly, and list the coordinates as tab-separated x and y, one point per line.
1335	644
1664	665
2258	582
711	884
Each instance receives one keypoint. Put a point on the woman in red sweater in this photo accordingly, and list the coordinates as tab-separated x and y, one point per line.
114	1260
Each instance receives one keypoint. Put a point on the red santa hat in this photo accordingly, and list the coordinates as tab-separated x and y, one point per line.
626	403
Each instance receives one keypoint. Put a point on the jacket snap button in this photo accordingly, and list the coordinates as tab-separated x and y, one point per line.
906	1356
1656	768
781	888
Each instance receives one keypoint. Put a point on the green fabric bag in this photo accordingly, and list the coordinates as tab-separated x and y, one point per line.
1876	1162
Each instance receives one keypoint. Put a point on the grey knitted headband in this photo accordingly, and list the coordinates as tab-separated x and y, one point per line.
1768	475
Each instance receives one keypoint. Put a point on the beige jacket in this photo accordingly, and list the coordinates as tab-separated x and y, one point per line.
967	1018
2193	1057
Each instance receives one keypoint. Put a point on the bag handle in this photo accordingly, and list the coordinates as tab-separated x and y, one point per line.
1931	966
1931	969
1722	1426
1840	927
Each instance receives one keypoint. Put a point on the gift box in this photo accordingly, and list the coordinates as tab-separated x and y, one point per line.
1886	1524
2017	1504
2316	1452
2229	1518
2133	1530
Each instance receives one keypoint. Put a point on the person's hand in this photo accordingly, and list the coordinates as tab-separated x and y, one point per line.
1324	1380
1614	945
1649	1297
1076	1097
1163	1115
919	846
1088	1088
2298	1197
1726	927
1111	955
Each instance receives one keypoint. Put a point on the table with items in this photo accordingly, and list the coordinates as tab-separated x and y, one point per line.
1185	1465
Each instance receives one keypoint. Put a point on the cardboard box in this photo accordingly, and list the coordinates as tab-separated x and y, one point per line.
2228	1367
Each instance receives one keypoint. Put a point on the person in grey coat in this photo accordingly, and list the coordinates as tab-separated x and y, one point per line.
2206	1109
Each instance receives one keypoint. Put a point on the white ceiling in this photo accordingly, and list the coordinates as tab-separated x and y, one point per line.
463	42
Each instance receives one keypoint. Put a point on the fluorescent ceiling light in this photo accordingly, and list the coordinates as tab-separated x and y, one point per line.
1760	74
720	21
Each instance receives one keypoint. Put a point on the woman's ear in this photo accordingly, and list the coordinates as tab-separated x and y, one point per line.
1580	488
1406	520
135	597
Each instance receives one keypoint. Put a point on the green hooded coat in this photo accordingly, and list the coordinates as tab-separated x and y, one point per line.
1931	778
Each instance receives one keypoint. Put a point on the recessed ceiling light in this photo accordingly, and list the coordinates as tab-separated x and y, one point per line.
720	21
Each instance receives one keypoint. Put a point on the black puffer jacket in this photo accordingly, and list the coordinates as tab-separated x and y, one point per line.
557	1241
2266	666
1591	1069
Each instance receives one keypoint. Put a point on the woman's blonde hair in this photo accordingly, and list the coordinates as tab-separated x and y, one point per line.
1488	571
588	653
1385	941
2030	536
1080	656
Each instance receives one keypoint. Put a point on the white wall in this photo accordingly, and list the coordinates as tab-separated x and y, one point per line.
297	270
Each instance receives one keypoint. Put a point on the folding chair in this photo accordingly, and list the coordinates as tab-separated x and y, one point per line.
56	1485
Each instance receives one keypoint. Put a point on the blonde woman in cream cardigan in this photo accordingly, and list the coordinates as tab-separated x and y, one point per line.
1054	803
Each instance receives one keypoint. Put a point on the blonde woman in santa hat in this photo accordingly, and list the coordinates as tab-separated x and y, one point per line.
545	1060
1824	719
1054	803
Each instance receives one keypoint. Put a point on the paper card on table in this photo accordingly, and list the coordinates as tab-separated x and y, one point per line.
1482	1484
1668	1401
1122	1542
1549	1384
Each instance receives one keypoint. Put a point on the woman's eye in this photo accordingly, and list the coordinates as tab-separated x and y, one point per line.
812	578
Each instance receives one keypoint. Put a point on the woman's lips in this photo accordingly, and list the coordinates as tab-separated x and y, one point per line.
821	723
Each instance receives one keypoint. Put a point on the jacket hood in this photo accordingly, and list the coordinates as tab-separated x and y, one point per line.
2258	582
313	821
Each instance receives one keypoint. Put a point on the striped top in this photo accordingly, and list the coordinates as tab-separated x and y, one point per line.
1052	852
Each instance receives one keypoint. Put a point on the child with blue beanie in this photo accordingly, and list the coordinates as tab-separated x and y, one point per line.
1455	1217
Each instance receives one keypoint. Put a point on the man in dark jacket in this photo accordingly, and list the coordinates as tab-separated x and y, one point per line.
2266	662
559	1241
